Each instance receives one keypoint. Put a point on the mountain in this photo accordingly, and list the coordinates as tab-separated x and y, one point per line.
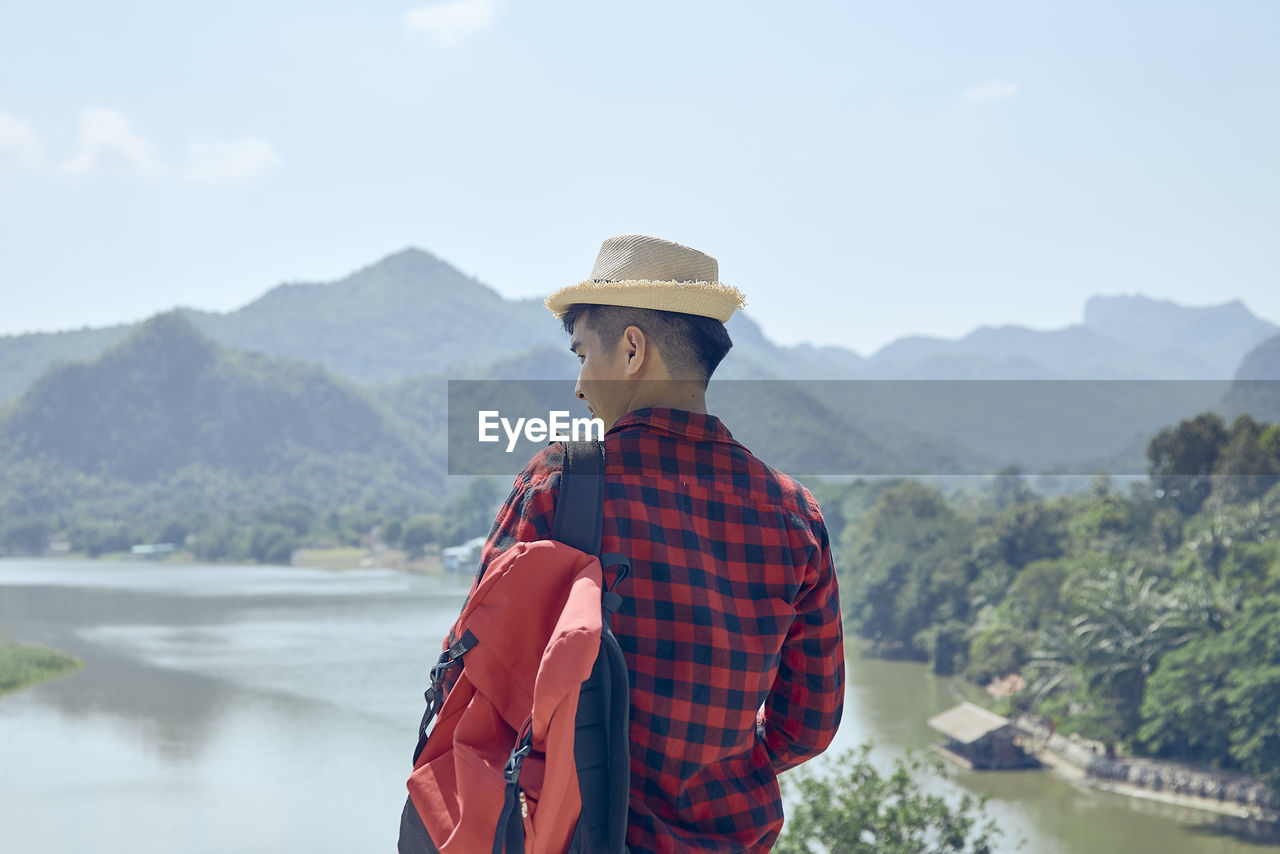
411	314
25	357
1122	337
1261	363
402	326
1255	389
169	405
406	315
1218	335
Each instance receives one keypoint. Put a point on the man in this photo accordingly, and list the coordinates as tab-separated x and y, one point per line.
730	623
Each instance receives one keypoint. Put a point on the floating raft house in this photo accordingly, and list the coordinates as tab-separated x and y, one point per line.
979	739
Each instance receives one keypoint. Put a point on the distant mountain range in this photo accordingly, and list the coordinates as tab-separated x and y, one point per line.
1122	337
340	390
411	314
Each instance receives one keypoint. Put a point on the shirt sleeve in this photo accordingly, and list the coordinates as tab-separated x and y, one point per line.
526	515
802	712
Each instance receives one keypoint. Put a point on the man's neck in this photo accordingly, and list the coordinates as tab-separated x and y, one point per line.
686	396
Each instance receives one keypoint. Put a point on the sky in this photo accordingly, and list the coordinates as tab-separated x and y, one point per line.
862	171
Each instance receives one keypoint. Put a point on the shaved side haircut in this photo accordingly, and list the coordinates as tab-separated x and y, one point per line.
691	345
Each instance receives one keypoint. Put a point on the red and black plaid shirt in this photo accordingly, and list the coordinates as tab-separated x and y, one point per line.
730	623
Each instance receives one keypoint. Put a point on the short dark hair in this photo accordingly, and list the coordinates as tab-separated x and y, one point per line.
691	345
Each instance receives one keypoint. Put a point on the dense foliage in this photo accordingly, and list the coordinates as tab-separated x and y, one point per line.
854	809
1148	619
170	438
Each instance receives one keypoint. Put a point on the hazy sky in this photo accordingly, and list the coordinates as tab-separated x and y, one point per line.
861	170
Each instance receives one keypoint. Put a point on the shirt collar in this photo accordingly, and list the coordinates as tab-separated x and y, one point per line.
697	426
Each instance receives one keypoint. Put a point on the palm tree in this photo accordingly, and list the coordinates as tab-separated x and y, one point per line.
1127	621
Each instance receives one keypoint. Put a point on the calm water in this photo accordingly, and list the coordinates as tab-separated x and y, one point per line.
264	709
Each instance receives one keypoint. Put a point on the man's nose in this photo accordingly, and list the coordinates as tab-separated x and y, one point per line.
577	391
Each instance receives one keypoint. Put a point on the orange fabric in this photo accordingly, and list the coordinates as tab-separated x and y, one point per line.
536	619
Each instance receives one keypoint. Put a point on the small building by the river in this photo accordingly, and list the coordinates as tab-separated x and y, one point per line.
979	739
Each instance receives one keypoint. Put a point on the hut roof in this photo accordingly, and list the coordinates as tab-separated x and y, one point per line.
966	723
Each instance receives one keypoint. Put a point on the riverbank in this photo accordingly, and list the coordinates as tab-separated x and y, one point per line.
323	557
24	665
1084	761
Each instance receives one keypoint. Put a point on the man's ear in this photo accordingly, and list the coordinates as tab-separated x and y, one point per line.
637	345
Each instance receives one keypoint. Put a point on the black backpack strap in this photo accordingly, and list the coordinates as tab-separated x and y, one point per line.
579	517
602	729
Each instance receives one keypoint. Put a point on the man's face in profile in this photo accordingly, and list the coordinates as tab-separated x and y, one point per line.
601	374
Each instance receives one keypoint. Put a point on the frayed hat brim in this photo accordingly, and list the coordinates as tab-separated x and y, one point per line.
706	299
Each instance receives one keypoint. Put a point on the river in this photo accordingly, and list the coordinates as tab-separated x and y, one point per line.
253	709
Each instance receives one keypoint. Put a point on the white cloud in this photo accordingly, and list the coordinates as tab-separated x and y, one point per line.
448	22
108	143
19	146
223	161
993	91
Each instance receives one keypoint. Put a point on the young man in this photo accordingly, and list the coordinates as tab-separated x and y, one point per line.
730	623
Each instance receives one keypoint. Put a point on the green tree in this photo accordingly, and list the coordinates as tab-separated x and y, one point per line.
1056	663
471	513
1182	459
1102	524
98	538
1245	469
418	532
1269	442
1009	488
297	516
272	544
1032	531
1127	620
25	536
175	532
857	810
1250	570
1036	594
392	531
912	554
1216	699
998	649
223	541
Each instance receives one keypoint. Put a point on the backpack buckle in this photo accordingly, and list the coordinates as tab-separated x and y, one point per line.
511	772
434	695
624	567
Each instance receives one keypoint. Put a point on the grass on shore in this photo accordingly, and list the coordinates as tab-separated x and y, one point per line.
23	665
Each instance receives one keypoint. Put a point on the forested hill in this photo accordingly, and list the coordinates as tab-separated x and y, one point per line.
407	315
169	406
412	314
1256	386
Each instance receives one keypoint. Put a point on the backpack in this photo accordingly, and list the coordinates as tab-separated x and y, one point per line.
530	751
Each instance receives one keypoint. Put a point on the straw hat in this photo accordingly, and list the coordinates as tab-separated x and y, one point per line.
648	272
